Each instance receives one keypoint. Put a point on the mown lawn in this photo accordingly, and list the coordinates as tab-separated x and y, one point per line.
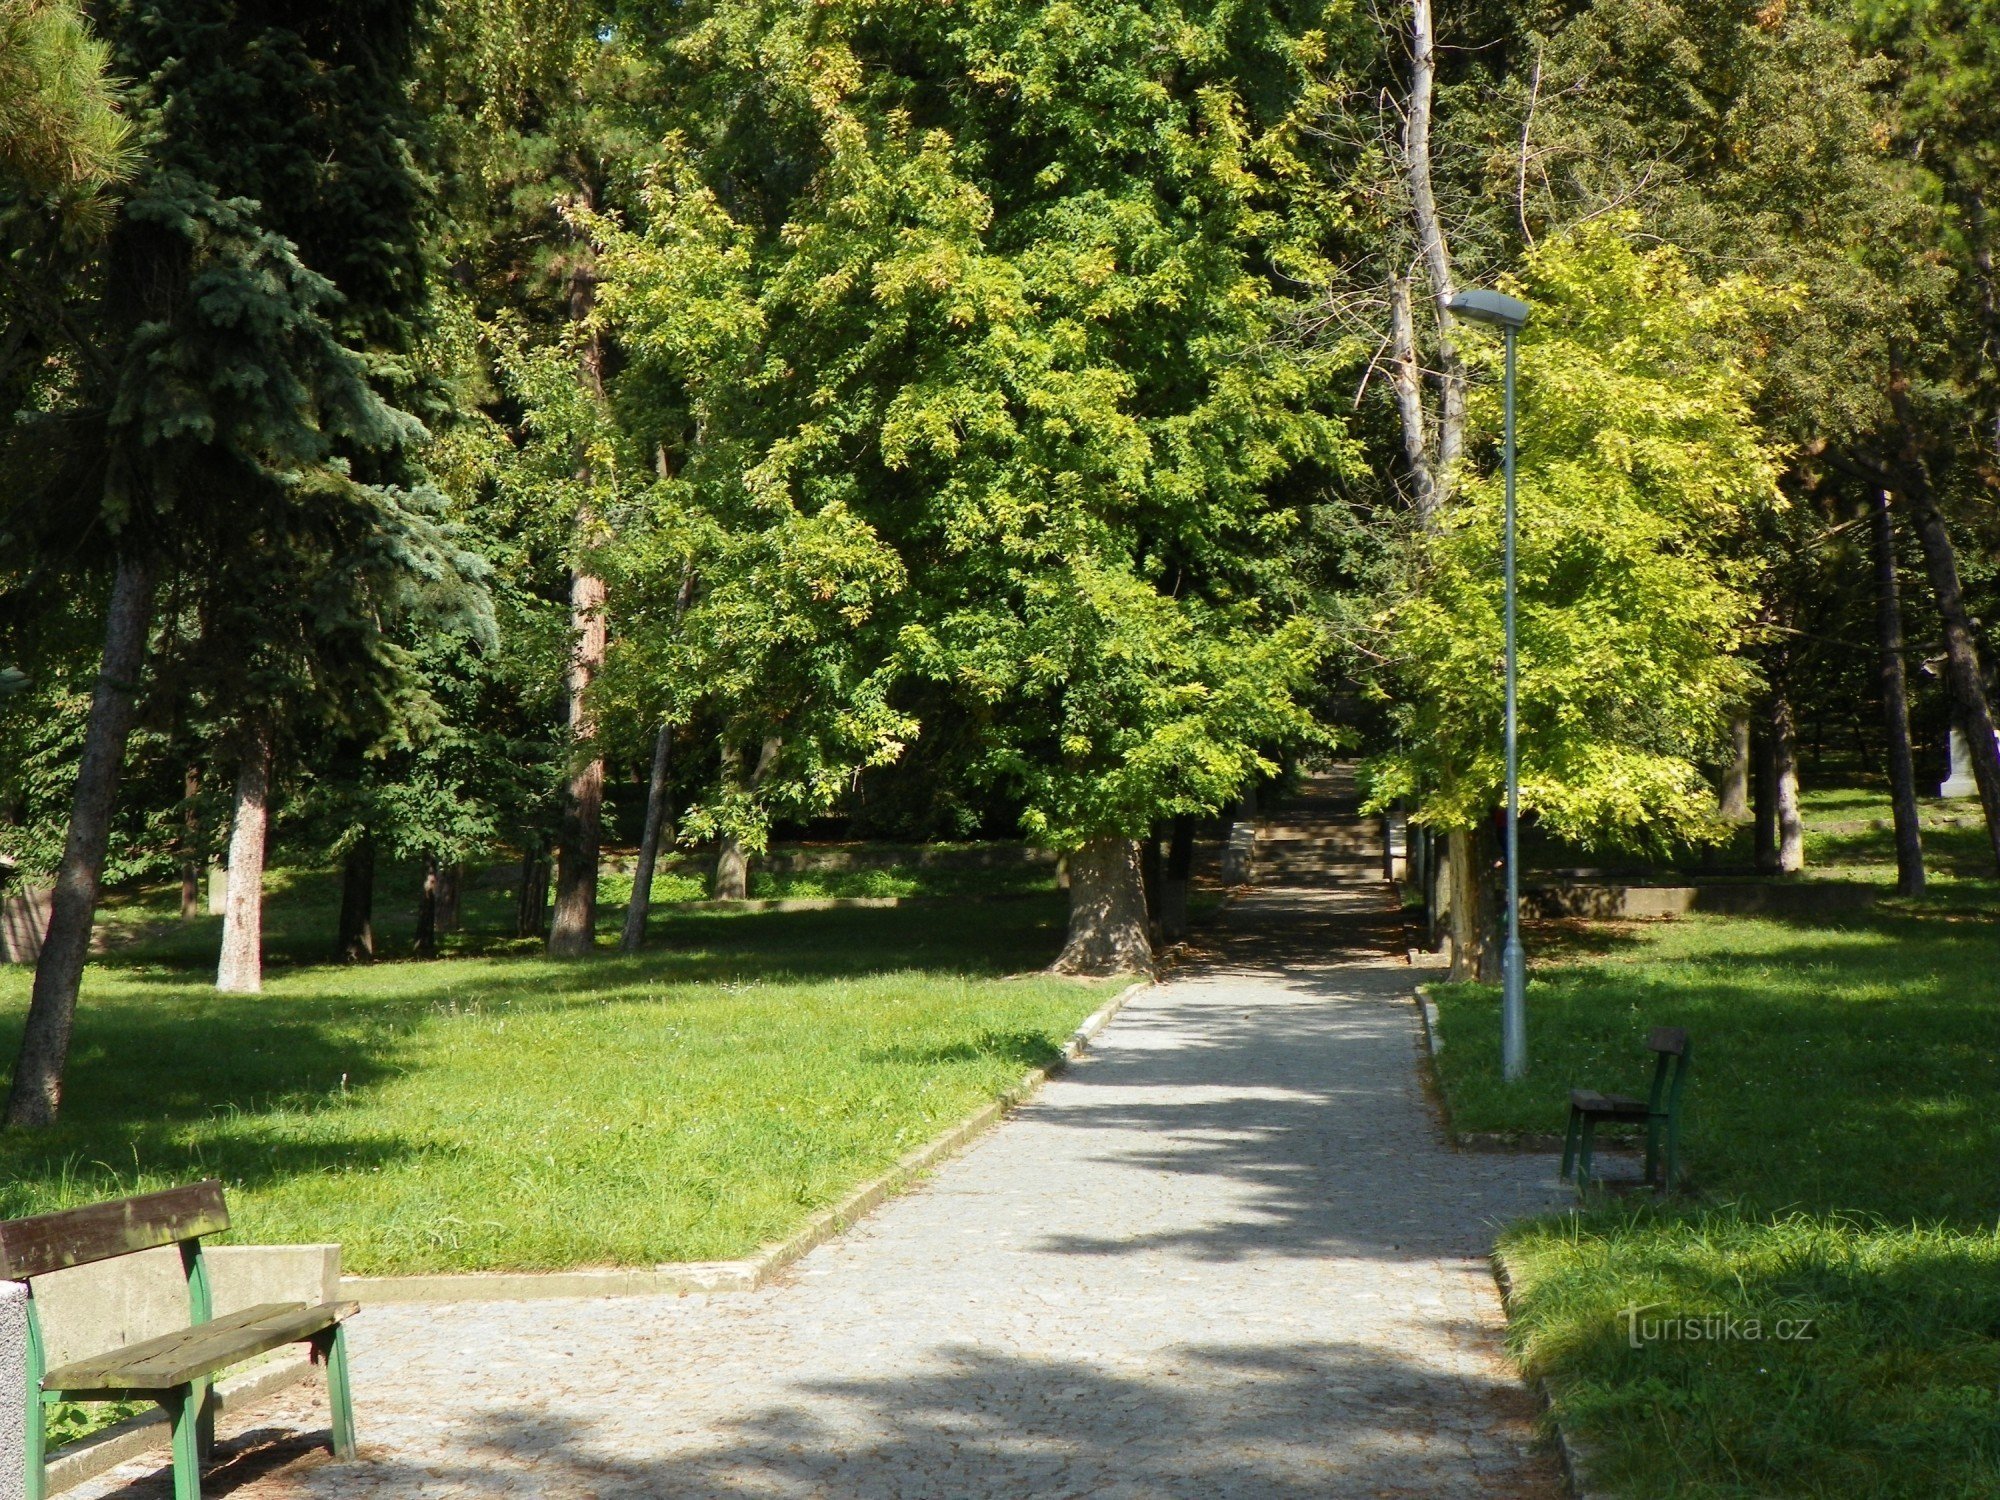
500	1111
1844	1158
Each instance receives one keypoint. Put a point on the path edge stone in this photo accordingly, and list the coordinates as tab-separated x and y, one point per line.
1577	1457
754	1271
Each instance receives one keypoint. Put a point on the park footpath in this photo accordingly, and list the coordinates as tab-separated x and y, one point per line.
1227	1254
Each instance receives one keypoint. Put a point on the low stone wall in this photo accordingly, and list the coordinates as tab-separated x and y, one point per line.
838	859
1642	902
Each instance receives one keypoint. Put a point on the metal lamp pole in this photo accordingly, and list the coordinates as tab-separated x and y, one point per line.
1508	314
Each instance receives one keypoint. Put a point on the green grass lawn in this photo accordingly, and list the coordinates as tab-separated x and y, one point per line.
1843	1151
496	1110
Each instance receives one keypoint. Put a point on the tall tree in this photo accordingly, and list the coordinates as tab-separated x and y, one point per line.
1895	696
224	395
1643	461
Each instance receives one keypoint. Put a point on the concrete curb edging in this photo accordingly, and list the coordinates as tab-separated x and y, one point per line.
136	1437
1577	1457
756	1270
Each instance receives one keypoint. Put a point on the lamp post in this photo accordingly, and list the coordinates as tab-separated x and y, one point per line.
1508	314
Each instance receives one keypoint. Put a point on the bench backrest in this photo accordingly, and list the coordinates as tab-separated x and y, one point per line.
103	1231
1668	1039
1669	1045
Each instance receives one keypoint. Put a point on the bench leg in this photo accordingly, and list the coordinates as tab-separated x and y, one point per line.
1673	1153
34	1459
1653	1151
184	1412
205	1404
1584	1150
331	1347
1569	1142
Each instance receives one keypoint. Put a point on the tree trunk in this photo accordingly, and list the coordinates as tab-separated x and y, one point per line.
1174	885
1433	452
732	871
1107	911
36	1094
426	945
732	865
573	929
1896	700
355	942
450	881
1766	761
1152	877
241	970
532	904
1732	801
1785	768
190	845
1468	902
650	837
1968	686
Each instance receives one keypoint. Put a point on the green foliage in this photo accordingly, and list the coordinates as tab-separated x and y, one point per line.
62	139
1639	462
1000	359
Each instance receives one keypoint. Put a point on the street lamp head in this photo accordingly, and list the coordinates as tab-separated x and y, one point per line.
1496	308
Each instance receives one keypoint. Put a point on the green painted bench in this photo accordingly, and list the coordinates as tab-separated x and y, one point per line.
177	1369
1659	1112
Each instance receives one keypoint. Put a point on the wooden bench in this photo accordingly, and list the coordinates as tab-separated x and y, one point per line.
177	1369
1659	1112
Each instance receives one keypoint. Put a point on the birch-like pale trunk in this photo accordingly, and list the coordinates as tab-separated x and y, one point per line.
241	968
1785	771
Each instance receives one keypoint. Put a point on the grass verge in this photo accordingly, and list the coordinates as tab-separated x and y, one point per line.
1843	1134
505	1112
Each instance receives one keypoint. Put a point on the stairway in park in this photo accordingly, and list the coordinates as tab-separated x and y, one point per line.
1316	836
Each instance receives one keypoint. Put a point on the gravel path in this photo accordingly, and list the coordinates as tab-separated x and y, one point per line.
1225	1256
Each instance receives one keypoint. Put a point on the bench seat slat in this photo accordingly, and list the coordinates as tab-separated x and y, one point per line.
174	1359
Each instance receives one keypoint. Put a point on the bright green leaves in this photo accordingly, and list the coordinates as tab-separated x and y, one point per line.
1640	466
990	400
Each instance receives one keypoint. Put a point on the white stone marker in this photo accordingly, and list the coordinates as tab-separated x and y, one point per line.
1960	783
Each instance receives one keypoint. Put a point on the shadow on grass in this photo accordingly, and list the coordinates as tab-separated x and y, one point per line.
1023	1049
169	1081
974	939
